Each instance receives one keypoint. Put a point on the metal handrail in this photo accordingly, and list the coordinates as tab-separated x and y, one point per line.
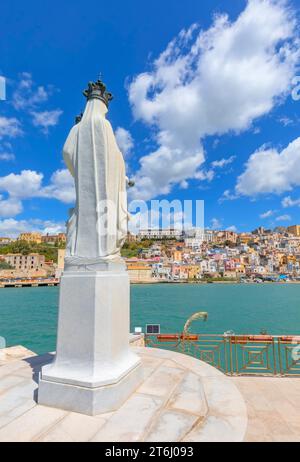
243	354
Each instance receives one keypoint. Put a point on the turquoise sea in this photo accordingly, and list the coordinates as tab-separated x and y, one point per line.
28	316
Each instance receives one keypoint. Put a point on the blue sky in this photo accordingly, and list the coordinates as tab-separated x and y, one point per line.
203	105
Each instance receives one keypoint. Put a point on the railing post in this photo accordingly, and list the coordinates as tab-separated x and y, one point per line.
279	356
274	355
230	358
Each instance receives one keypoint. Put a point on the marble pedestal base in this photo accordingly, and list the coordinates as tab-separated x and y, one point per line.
94	370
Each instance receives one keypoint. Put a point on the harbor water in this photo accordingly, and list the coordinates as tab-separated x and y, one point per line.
28	316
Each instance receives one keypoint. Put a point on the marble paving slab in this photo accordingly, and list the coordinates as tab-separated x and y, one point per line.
181	399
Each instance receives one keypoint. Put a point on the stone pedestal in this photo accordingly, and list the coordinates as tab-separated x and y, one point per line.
94	370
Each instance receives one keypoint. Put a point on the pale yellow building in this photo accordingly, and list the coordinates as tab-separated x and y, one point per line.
230	274
244	238
139	272
61	259
6	241
177	255
193	271
60	263
59	238
30	237
25	266
33	261
294	230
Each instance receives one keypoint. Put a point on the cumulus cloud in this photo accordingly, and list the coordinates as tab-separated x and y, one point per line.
269	170
227	196
46	119
286	121
10	207
165	218
11	227
61	187
209	83
7	156
29	184
216	223
6	153
27	94
283	218
50	227
289	202
10	127
24	185
28	97
232	228
222	162
124	140
267	214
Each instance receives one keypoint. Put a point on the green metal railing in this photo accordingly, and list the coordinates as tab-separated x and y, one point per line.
234	355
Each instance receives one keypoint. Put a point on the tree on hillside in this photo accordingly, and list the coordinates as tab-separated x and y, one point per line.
5	266
25	248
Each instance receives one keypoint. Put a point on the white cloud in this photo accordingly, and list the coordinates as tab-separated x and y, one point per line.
11	227
28	97
286	121
29	184
139	220
256	130
10	207
25	185
203	175
209	83
53	228
151	218
283	218
6	153
27	94
271	171
184	184
267	214
289	202
46	119
216	223
232	228
61	187
227	196
10	127
162	168
222	162
7	156
124	140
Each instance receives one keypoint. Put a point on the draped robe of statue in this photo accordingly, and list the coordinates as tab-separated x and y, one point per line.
94	370
97	226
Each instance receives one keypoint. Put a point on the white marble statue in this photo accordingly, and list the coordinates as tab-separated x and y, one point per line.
97	226
94	370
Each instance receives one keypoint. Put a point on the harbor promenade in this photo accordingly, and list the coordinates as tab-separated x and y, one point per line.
29	283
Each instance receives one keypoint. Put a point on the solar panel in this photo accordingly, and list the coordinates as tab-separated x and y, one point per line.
153	328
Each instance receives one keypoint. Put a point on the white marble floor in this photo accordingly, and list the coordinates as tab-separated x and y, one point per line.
273	406
181	399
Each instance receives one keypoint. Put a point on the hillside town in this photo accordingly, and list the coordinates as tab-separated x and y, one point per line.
160	255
